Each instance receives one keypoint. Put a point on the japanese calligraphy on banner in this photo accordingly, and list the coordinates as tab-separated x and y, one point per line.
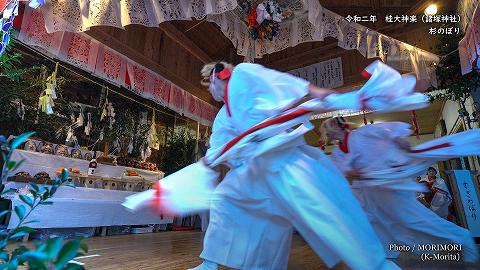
469	198
90	55
327	74
111	66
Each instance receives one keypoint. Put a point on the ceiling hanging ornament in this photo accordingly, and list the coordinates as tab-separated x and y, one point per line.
263	19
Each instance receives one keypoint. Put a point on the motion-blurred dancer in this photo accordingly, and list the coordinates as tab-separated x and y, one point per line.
383	167
276	181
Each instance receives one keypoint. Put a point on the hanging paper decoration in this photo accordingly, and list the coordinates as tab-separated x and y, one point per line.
88	126
148	152
152	139
143	118
328	74
108	111
416	130
100	138
18	103
76	145
142	154
104	107
80	118
45	103
111	115
70	136
52	83
116	147
130	146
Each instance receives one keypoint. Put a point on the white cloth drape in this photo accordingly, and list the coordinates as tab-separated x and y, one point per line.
85	207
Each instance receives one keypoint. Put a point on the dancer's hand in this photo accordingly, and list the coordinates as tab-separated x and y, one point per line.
318	92
403	144
353	175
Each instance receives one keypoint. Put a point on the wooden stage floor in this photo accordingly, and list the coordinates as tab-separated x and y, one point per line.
180	250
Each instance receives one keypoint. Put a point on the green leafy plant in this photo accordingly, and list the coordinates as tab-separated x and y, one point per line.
51	254
451	83
454	85
178	151
18	80
11	63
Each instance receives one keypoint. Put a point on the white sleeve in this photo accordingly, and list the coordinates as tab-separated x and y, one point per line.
256	93
390	130
341	160
222	133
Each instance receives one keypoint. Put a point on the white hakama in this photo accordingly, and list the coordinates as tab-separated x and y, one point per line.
388	193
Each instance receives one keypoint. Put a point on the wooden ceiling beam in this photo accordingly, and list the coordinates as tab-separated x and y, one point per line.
149	63
172	31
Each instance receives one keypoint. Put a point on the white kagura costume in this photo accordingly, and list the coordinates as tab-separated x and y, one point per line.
276	181
441	199
388	192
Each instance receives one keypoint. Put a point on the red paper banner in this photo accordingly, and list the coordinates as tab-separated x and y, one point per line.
111	66
79	50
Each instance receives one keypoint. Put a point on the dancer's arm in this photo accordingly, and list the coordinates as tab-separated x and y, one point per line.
403	144
318	92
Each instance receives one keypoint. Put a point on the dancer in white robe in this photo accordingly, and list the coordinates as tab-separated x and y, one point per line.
276	181
383	167
438	198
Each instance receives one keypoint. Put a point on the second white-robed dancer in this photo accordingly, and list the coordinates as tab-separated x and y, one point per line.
383	167
438	197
